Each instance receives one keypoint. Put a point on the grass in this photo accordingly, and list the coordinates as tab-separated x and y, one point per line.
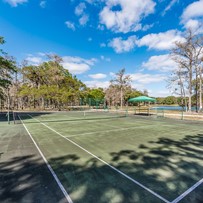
163	155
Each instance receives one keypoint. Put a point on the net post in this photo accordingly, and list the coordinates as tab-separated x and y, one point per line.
8	116
182	115
14	119
8	106
156	112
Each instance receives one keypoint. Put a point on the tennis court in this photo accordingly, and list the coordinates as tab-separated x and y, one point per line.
112	157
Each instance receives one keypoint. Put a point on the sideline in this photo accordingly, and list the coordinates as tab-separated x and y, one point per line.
188	191
49	167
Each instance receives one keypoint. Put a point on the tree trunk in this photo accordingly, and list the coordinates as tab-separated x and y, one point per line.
196	89
42	103
200	89
121	98
190	87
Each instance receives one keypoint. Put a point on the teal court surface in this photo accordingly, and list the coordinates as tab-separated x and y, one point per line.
100	157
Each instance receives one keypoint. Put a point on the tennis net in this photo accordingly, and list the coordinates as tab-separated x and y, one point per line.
70	115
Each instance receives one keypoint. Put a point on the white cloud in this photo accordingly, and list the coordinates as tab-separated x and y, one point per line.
128	17
102	45
161	41
147	27
193	10
147	78
112	74
192	17
84	19
34	60
89	39
43	54
79	10
100	27
138	86
153	83
70	25
105	59
15	3
160	93
170	5
120	45
43	4
77	65
97	76
96	84
95	2
158	41
194	25
161	63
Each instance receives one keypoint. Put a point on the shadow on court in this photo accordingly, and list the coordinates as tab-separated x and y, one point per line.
27	179
171	167
166	166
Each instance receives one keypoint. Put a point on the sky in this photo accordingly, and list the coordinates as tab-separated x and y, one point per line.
97	38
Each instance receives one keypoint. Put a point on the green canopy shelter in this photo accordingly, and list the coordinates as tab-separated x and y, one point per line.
142	99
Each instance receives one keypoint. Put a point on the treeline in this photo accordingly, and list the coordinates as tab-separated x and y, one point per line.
50	86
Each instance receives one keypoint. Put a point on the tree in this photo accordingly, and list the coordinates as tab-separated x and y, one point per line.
200	83
122	81
7	68
170	100
112	95
50	85
187	54
131	93
177	84
96	93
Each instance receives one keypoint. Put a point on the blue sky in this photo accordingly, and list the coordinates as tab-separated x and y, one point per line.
98	38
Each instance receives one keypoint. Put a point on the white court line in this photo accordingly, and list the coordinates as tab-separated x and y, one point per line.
112	167
105	131
49	167
188	191
79	119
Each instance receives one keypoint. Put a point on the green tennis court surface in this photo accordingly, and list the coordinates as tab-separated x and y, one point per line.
120	159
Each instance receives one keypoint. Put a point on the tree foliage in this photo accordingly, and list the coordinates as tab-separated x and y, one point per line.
7	68
49	84
121	82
